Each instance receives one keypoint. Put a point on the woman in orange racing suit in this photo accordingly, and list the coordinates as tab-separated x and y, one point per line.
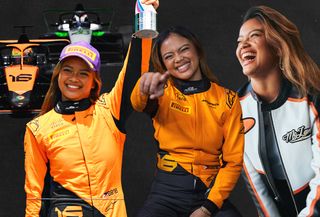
73	149
198	129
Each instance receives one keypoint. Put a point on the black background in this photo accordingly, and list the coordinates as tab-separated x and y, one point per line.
215	22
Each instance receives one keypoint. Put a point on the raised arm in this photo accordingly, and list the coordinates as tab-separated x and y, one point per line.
136	63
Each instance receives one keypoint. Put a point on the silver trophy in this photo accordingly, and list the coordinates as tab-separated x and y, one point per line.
145	21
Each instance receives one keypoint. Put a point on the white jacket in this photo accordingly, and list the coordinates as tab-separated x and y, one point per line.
295	129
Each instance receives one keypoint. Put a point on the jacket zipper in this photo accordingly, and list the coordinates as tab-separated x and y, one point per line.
282	165
261	155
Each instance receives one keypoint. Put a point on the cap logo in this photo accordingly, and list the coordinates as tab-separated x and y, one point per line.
81	50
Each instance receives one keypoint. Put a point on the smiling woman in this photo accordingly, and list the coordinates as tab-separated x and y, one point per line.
255	55
77	140
74	148
76	79
180	57
60	143
198	129
281	109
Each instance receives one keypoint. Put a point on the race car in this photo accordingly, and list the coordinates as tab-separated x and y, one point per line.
25	72
88	25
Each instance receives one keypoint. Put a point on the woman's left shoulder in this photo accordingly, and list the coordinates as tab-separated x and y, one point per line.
226	95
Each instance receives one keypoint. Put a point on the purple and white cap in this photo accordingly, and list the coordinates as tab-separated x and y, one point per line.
85	51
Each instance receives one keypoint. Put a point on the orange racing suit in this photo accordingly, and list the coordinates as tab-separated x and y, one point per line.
199	127
81	151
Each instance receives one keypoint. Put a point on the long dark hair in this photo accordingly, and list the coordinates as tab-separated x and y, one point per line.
184	32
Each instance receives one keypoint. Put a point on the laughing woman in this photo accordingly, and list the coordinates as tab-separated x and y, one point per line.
281	108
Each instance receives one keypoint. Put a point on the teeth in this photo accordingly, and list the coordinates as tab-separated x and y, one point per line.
183	67
248	54
72	86
247	58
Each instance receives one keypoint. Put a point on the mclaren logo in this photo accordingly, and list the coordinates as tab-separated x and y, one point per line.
248	124
297	135
210	104
180	108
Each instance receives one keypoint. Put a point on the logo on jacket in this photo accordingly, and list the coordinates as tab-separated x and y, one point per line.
34	124
110	206
110	193
300	134
56	124
180	108
58	134
231	96
180	96
210	104
190	90
69	211
101	100
248	124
